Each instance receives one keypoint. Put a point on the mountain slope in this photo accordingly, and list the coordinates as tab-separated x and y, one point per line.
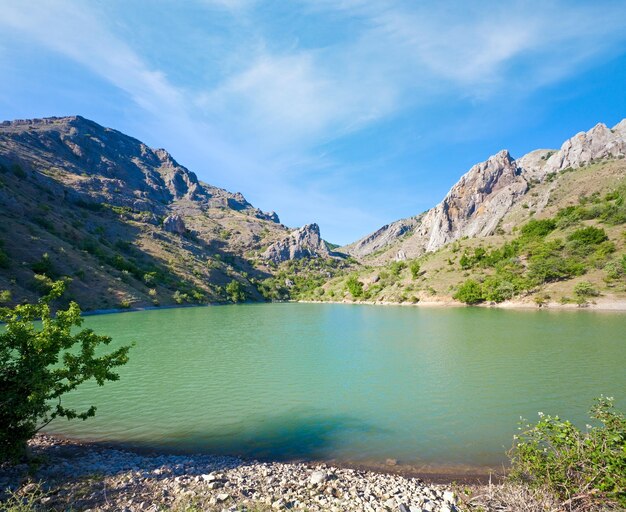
564	243
129	224
477	204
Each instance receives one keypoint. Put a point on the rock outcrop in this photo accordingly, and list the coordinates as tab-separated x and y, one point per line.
586	147
385	236
174	224
478	202
475	205
305	242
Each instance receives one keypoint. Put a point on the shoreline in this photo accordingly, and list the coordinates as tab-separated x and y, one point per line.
442	474
615	306
88	475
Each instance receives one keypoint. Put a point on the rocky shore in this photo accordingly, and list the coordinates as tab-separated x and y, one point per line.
66	474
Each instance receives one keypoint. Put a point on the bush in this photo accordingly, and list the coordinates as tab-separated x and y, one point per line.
576	465
235	291
38	365
5	296
535	229
43	266
396	267
355	287
585	289
588	236
415	269
180	297
470	292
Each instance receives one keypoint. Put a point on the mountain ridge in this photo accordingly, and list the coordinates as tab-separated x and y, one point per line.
128	223
480	199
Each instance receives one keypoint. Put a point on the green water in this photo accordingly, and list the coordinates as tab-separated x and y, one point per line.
428	387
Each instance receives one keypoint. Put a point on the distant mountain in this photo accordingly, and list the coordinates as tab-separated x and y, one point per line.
129	224
478	203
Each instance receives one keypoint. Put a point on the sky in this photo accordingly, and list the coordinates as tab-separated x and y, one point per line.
348	113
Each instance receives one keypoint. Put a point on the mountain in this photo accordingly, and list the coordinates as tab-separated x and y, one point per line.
477	204
129	224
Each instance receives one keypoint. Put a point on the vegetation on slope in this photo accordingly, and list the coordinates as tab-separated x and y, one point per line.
572	251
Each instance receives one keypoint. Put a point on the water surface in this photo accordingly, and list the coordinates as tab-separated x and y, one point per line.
428	387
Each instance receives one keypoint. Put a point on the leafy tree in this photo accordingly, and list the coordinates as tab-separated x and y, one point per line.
470	292
355	287
235	291
415	269
397	267
585	289
38	365
535	229
5	296
589	235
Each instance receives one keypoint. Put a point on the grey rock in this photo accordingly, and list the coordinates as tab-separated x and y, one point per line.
318	477
174	224
305	242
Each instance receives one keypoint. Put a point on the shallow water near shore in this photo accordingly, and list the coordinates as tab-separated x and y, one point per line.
433	389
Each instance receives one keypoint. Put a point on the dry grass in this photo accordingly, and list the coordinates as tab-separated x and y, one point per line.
514	497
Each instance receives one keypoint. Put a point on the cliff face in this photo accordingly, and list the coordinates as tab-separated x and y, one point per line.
477	203
305	242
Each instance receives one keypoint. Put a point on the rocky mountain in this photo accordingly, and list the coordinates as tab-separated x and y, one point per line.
305	242
127	223
477	204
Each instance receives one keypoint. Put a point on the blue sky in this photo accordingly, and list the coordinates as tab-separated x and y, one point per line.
346	113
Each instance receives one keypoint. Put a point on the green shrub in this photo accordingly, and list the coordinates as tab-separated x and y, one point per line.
40	364
575	464
470	292
43	266
415	268
5	296
496	289
613	270
180	297
587	236
555	267
355	287
397	267
534	228
235	291
585	289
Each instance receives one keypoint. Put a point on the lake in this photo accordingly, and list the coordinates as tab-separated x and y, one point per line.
433	388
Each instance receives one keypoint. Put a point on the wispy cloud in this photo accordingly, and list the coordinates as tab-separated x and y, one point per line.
282	94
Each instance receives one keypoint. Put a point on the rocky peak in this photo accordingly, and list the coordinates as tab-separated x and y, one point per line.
383	237
585	147
305	242
475	205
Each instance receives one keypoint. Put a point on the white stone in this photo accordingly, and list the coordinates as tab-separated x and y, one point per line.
317	477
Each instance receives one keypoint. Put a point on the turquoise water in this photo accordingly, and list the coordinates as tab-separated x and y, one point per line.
428	387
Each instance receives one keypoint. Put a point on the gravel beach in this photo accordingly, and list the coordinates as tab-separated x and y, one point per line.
86	476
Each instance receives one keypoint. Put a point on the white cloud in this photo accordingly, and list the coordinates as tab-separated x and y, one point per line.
259	128
295	97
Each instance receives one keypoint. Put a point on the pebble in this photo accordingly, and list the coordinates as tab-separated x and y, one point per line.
153	482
